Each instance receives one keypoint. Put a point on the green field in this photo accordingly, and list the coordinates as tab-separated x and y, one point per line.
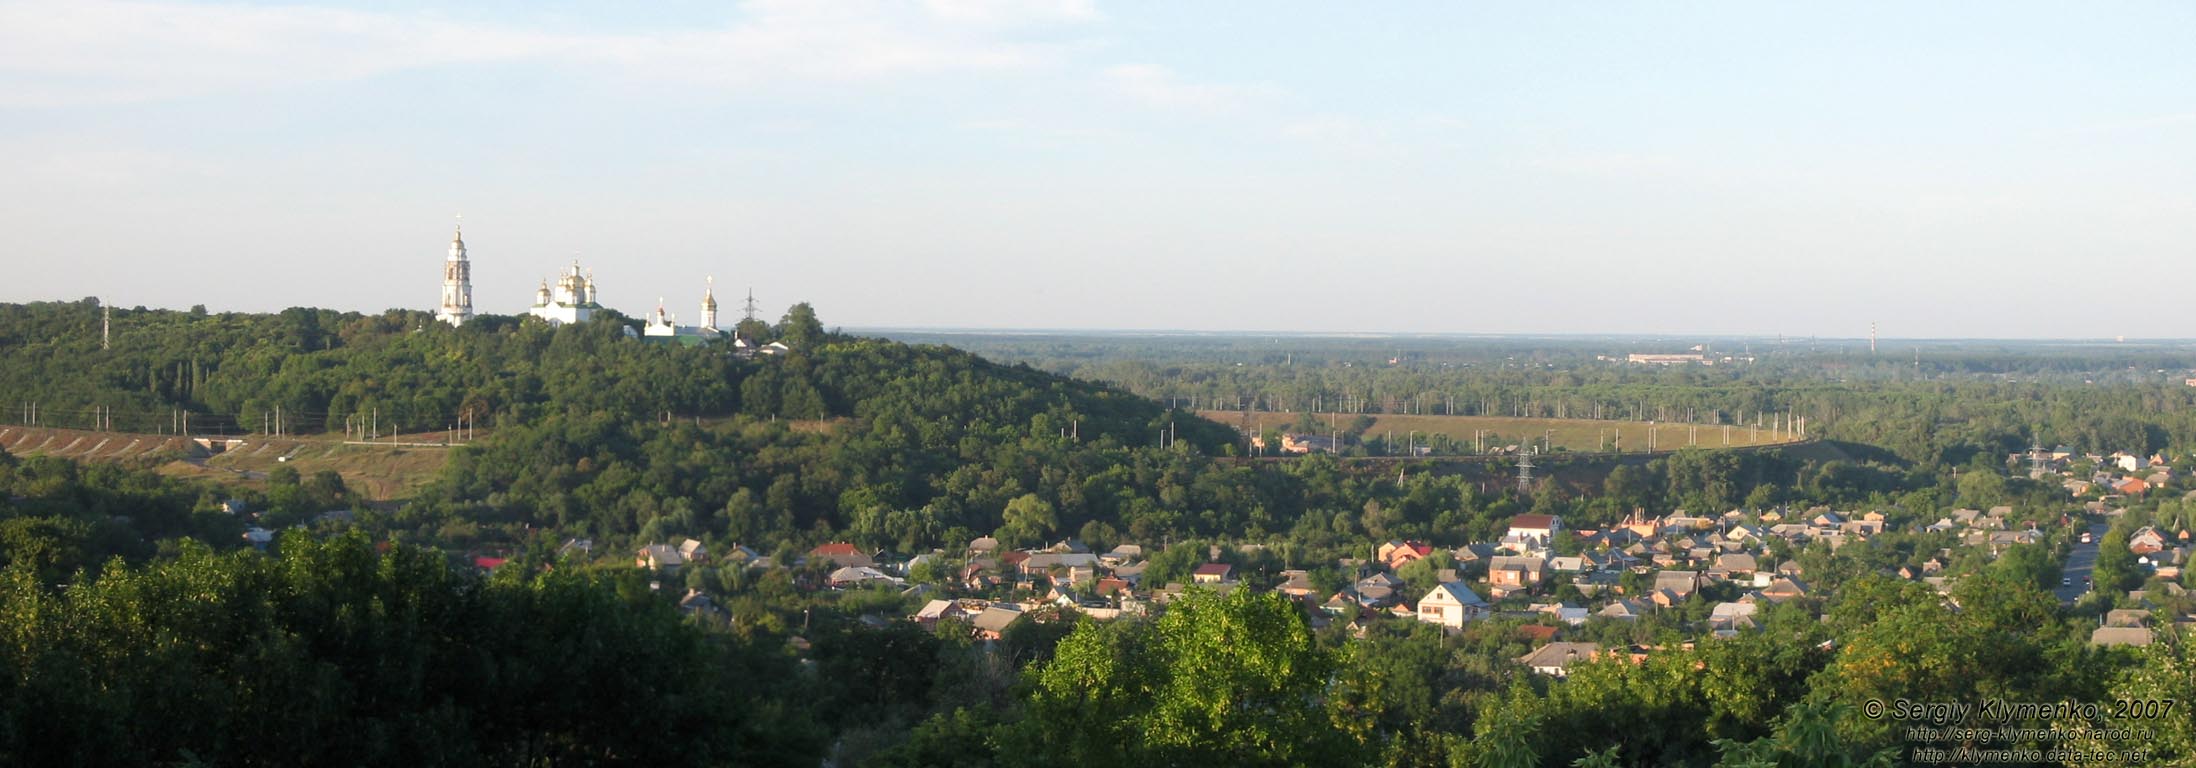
1452	434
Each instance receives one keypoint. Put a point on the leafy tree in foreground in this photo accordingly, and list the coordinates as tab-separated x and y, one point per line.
334	654
1218	680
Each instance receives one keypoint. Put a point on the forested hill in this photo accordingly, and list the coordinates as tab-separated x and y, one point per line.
591	432
323	369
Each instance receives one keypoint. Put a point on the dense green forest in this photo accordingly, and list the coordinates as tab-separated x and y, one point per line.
131	598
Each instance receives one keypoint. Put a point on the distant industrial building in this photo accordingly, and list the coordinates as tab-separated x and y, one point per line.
1685	358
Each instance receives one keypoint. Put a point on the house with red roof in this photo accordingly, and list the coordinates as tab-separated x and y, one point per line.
843	555
1397	554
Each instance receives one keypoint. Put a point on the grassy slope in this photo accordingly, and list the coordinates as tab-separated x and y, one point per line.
378	472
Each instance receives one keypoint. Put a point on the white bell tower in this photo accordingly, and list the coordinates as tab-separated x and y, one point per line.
709	305
457	282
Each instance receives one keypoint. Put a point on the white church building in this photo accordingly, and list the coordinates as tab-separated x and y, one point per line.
663	326
573	300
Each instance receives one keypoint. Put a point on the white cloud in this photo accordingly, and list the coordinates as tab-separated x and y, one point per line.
102	51
1156	86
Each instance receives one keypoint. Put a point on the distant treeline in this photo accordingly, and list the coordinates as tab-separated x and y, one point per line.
1960	400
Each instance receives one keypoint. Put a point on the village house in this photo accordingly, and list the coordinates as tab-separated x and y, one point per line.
1071	568
1124	553
1551	659
2146	540
2128	462
1397	554
1680	584
992	624
696	603
1531	533
1678	522
1563	612
1784	588
1738	563
1295	583
2127	617
741	554
1727	619
1510	573
1624	610
1377	590
693	551
656	557
843	555
1472	558
858	575
1451	605
1640	525
2137	636
985	576
939	610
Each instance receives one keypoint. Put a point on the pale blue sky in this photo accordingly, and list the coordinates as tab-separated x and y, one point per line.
1944	169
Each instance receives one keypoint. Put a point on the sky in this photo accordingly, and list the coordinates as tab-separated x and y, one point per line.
1957	169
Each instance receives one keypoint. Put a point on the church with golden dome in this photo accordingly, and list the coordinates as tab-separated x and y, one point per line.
662	325
573	300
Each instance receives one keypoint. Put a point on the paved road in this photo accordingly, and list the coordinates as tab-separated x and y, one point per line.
2078	565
